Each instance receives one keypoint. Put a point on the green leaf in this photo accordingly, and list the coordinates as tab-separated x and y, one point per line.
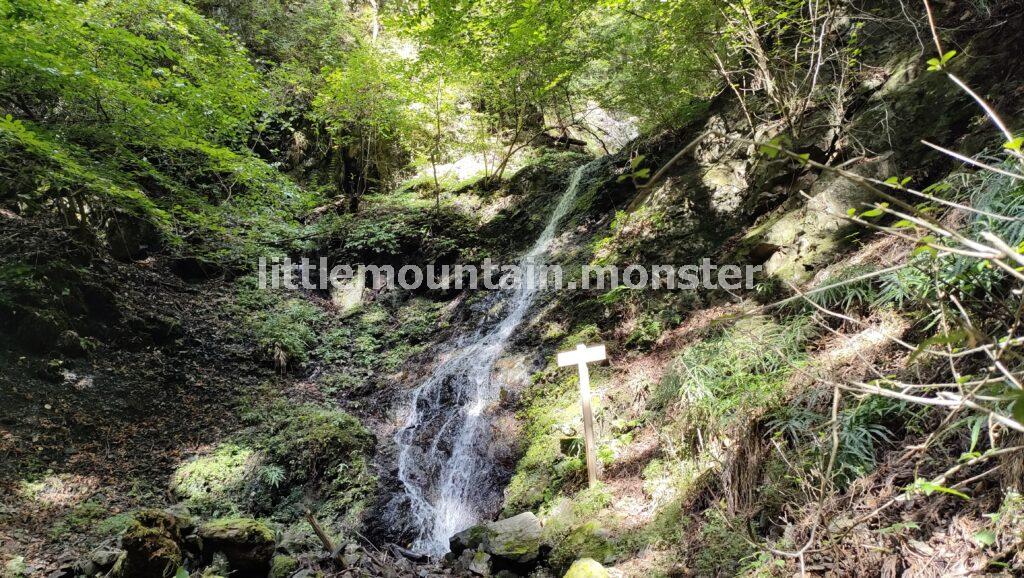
985	537
876	212
182	573
633	162
1014	145
951	338
1018	408
938	63
927	487
903	224
642	173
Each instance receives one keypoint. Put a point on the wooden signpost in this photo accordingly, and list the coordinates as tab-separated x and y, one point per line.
580	357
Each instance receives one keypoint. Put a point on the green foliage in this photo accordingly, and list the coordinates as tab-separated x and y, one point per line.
309	441
927	273
648	330
82	518
865	428
723	548
732	375
288	330
851	295
141	107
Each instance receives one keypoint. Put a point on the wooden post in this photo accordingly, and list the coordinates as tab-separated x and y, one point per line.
580	357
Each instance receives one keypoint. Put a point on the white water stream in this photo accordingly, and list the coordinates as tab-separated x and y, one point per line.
444	461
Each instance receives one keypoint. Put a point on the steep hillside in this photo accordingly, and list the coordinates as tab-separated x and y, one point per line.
852	409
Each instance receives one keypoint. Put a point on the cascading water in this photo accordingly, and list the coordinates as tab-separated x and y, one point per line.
444	461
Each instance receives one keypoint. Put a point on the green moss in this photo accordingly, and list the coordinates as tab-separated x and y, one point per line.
309	440
114	525
543	470
587	568
210	481
283	566
81	518
247	544
589	540
587	334
151	544
240	529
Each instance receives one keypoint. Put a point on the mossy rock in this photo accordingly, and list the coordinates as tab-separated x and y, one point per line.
152	545
468	539
310	440
283	566
517	539
587	568
590	541
247	544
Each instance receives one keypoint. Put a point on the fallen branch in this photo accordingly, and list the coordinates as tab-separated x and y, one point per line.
319	531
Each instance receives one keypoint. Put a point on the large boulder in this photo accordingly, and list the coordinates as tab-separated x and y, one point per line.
247	544
516	540
587	568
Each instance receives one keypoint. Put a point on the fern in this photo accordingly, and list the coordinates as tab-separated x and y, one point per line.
273	475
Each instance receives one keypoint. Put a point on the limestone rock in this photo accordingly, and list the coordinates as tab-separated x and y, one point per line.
728	183
347	294
247	544
480	564
803	239
587	568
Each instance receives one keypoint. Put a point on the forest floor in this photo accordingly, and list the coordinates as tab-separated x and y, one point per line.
86	439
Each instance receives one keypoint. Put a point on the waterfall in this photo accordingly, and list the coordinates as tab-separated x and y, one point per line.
444	461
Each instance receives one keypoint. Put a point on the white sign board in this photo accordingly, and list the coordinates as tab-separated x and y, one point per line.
582	354
580	357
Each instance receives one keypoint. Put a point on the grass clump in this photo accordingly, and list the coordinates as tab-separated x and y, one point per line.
721	549
733	375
